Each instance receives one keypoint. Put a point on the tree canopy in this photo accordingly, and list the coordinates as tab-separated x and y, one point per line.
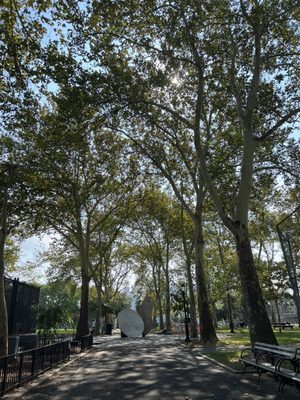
157	134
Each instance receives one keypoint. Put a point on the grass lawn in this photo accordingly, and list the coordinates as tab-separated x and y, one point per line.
228	355
58	332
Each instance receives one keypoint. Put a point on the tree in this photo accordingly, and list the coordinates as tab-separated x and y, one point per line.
249	87
109	264
156	231
58	306
288	231
20	54
187	237
239	64
15	208
83	177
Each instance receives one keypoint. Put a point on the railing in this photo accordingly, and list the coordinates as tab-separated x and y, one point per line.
84	342
44	340
77	345
18	368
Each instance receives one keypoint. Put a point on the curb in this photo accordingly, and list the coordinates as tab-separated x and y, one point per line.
232	370
42	378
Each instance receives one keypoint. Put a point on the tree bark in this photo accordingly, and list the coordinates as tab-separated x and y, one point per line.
83	246
161	314
292	276
156	275
188	263
83	323
193	311
167	294
3	309
296	299
207	329
259	323
278	314
98	311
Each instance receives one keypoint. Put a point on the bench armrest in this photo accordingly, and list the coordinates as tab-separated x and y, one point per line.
285	365
247	354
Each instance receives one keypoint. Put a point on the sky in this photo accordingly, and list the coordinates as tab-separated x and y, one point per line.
30	250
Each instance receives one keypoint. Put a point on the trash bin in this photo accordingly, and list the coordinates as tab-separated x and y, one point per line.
108	329
13	344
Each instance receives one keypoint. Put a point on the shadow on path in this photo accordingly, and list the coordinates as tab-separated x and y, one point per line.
148	369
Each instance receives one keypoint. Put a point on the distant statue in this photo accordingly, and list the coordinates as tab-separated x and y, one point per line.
145	310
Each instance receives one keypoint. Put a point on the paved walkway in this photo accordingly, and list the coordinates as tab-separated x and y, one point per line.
150	368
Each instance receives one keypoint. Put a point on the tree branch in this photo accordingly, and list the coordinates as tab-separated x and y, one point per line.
278	124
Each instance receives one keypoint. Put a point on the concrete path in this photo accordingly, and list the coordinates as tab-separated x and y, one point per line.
150	368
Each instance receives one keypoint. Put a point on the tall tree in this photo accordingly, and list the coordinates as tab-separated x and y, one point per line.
235	66
83	178
20	53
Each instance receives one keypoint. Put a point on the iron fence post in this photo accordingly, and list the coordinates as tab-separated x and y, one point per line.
51	350
43	358
21	368
4	375
33	362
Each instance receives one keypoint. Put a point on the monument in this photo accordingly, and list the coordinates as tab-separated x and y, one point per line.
130	323
145	310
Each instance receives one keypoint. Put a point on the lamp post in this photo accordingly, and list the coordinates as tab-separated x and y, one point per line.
231	326
187	335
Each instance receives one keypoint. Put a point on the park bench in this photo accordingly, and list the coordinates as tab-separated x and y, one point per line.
288	371
282	362
263	357
283	325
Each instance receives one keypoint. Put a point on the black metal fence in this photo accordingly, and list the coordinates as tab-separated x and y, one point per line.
22	300
77	345
18	368
44	340
86	342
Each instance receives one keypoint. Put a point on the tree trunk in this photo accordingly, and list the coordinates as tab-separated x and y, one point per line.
167	294
83	245
98	312
207	329
214	315
83	322
294	285
156	275
278	314
291	268
193	311
188	263
3	309
161	314
296	299
259	323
